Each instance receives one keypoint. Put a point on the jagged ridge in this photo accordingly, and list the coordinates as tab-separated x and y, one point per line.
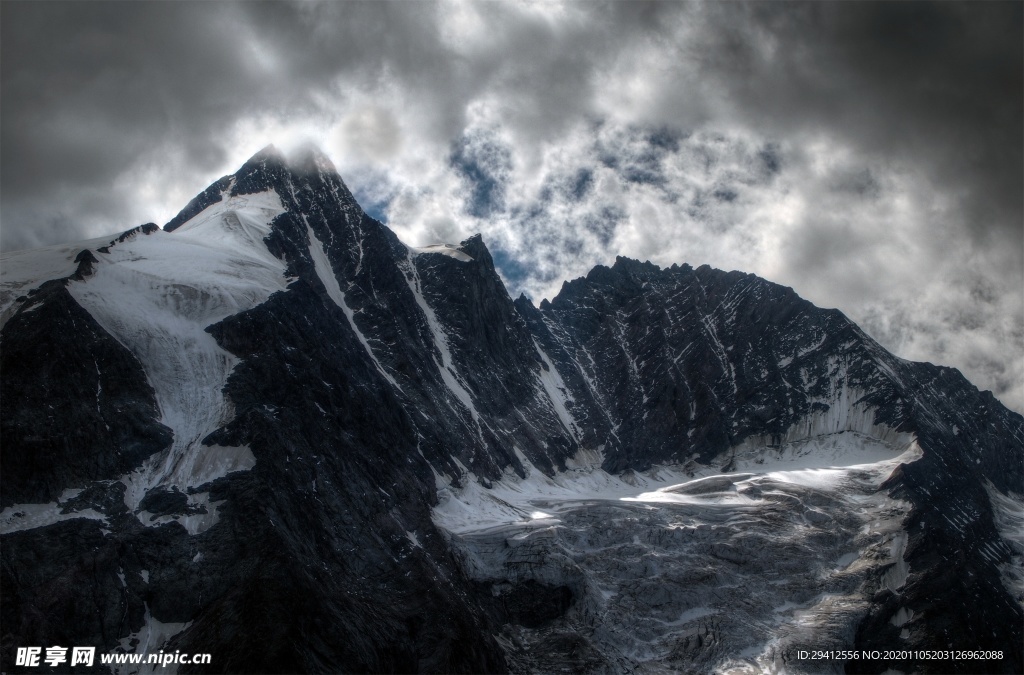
363	375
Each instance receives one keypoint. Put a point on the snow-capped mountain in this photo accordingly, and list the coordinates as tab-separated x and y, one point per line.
272	432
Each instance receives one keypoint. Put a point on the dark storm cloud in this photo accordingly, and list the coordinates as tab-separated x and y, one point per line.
89	88
938	84
93	90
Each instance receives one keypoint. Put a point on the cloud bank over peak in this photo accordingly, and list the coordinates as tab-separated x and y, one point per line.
867	154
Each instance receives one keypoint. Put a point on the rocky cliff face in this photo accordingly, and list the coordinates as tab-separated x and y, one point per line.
274	433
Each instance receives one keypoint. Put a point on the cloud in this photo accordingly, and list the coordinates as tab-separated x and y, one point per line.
934	85
845	229
370	134
867	154
484	164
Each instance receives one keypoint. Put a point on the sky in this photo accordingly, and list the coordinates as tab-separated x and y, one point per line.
869	155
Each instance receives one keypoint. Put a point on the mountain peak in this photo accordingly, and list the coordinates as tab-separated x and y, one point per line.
309	158
475	247
267	152
268	157
631	266
304	158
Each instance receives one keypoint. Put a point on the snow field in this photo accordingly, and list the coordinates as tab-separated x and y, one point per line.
21	271
157	294
19	517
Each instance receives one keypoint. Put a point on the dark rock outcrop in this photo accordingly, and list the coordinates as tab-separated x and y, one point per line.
76	404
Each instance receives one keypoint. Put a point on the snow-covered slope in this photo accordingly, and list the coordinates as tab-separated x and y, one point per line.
23	271
156	295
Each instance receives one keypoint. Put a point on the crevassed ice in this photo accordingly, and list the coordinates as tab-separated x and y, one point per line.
781	547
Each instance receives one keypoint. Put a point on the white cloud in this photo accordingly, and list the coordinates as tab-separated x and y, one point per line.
722	133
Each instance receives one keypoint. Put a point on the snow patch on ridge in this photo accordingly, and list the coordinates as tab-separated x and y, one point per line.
450	250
